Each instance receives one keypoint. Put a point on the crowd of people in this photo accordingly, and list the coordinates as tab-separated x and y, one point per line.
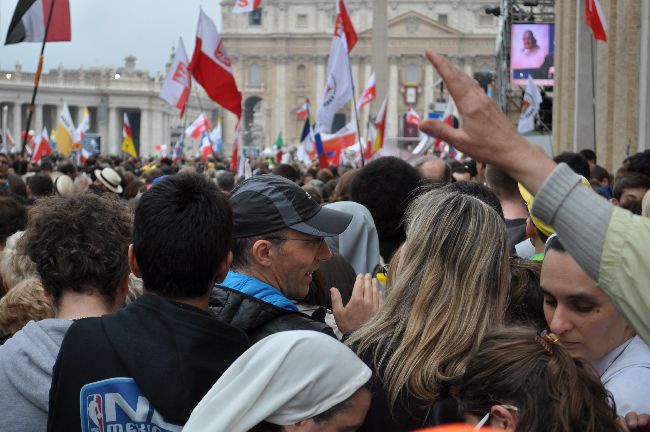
506	292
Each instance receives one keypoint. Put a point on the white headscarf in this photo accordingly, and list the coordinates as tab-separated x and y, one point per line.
359	243
284	378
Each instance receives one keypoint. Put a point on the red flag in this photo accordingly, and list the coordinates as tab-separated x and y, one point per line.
302	112
41	146
595	19
380	129
212	68
344	25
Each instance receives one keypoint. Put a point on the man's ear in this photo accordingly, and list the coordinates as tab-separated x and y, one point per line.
262	252
222	270
133	262
614	201
503	418
530	228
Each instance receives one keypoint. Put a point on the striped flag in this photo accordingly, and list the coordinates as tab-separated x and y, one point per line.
596	20
30	19
128	146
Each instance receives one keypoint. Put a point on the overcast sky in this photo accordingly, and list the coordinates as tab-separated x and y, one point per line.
104	32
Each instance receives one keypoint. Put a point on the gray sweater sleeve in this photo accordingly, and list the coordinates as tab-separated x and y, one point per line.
579	216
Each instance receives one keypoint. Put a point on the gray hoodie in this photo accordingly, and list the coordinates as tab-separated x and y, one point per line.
26	362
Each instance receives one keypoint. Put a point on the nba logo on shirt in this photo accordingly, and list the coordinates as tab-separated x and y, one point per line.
118	405
94	409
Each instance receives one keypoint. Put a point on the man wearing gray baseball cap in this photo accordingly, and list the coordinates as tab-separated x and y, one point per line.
278	242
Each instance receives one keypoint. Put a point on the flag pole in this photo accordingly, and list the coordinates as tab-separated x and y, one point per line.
356	111
593	91
37	79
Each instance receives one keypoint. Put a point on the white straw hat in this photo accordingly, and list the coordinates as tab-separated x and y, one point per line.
110	178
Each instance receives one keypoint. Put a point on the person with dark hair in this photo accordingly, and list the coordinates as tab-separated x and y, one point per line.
17	187
276	386
68	168
342	189
589	326
278	243
521	380
590	157
40	185
4	166
386	186
13	218
576	162
639	163
476	190
601	180
461	173
163	351
225	181
629	187
514	209
434	168
525	305
79	246
287	171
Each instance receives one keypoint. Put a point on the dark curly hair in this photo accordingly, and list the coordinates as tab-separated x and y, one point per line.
79	244
386	186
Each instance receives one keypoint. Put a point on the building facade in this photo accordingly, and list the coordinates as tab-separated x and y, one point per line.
279	56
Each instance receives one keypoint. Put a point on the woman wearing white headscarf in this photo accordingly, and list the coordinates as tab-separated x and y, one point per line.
359	243
289	381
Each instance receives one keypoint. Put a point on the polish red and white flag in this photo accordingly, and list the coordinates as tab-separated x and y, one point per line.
595	18
198	126
243	6
41	146
369	93
412	117
176	87
211	67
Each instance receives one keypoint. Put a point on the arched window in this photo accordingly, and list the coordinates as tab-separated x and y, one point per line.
301	75
412	74
255	75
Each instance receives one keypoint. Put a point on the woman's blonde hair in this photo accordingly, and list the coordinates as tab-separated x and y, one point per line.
450	291
23	303
15	265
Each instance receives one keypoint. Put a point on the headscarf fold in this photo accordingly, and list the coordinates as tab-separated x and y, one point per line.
283	379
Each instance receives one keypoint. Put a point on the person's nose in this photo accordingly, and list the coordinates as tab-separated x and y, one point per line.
561	321
324	251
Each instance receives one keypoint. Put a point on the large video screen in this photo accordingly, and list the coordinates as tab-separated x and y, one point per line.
532	54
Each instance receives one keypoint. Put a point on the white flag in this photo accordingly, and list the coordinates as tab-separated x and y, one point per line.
243	6
530	107
339	86
369	93
83	127
176	87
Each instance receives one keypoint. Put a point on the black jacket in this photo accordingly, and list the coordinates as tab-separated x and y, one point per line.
147	364
408	414
258	318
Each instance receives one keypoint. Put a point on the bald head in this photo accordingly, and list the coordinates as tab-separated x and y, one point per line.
434	168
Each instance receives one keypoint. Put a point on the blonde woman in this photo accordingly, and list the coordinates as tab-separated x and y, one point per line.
450	291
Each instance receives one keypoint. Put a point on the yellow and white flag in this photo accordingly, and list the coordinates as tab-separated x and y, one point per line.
128	146
82	128
65	132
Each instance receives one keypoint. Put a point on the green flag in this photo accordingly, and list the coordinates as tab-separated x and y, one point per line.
278	141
